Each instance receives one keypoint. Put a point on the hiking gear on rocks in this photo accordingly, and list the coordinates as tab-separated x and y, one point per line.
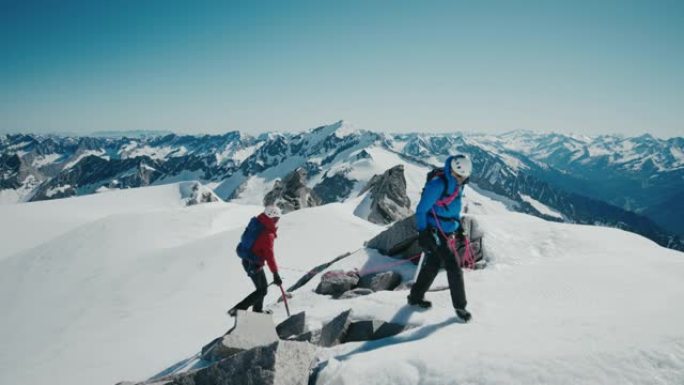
272	211
461	165
419	302
443	194
276	279
463	314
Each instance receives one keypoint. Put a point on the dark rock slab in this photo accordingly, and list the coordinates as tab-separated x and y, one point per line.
333	332
292	326
372	330
400	240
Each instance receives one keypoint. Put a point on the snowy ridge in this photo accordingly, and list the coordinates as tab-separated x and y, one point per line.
138	266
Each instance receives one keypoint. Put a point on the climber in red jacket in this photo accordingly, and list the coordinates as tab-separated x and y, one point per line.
256	249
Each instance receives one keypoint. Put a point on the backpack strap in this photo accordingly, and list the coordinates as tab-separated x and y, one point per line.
445	199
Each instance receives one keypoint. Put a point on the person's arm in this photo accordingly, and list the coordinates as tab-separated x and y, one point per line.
428	198
269	256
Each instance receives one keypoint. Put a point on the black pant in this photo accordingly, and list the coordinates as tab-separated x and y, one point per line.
256	299
435	257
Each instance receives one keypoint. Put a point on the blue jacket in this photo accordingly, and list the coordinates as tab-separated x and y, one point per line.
431	194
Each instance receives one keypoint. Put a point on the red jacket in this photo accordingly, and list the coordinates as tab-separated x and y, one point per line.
263	246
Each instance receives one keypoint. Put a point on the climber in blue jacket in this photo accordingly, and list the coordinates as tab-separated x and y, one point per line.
438	223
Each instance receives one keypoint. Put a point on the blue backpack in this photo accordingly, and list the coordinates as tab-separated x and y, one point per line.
249	236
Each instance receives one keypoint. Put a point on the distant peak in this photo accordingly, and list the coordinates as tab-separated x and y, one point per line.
341	129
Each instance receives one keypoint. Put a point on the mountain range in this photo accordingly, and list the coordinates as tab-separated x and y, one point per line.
633	183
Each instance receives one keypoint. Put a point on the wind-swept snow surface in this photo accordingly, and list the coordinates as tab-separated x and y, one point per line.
136	283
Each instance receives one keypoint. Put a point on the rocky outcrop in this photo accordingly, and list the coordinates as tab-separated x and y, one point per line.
313	272
292	326
291	193
387	280
251	330
334	188
337	282
400	240
280	363
345	285
386	200
334	332
194	193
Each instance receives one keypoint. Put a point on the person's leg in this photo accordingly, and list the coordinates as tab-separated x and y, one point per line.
426	276
253	272
261	285
455	277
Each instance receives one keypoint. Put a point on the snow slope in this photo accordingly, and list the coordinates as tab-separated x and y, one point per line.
126	293
143	282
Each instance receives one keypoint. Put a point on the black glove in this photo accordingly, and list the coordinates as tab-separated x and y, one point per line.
426	239
276	279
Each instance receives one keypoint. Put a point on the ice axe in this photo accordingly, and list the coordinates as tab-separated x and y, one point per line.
282	291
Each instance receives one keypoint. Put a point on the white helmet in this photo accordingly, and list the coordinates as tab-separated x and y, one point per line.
272	211
461	165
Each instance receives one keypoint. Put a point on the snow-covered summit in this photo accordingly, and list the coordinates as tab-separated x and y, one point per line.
147	280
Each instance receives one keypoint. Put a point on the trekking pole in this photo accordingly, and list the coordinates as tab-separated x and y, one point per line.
287	307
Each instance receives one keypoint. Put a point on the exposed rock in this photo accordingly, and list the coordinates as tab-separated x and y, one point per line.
294	325
251	330
388	199
280	363
291	193
400	240
372	330
312	336
194	193
333	332
312	273
334	188
386	280
358	292
336	282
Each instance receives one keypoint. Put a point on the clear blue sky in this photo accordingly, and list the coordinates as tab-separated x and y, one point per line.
589	67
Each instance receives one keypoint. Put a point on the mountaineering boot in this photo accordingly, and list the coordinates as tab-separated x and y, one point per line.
463	314
419	302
